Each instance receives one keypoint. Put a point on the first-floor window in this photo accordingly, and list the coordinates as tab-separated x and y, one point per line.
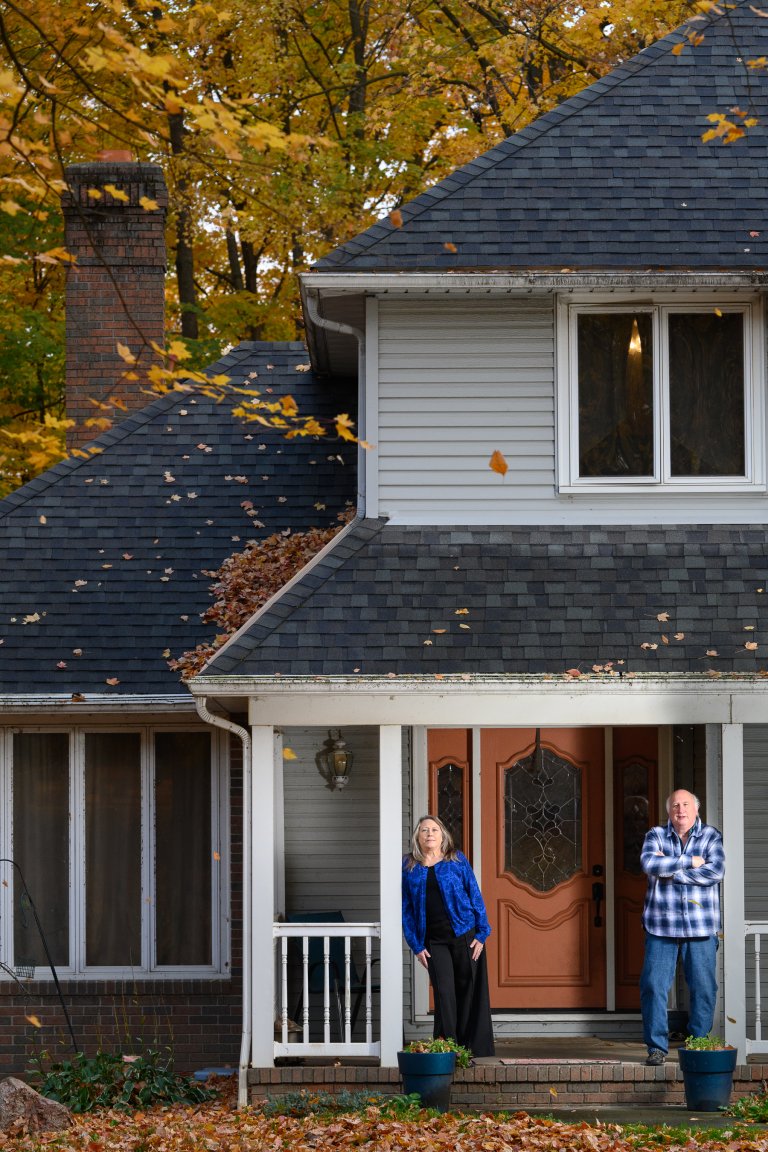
40	846
115	836
661	393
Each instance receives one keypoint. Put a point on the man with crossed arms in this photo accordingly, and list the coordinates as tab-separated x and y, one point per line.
684	863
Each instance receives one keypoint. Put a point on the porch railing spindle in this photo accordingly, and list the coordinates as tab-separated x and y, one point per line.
368	993
284	989
305	984
326	989
347	993
758	996
756	929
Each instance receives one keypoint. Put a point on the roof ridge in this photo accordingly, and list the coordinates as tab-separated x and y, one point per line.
71	463
244	346
188	390
383	228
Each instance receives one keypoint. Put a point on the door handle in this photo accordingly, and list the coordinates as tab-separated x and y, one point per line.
598	894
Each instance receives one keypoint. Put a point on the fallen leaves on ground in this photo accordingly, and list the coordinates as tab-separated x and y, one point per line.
218	1127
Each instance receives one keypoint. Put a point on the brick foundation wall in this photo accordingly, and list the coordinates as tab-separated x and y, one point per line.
115	287
198	1021
512	1087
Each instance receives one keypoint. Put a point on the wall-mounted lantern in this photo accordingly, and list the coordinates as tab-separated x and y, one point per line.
335	760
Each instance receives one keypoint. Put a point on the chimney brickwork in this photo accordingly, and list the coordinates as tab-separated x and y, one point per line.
115	286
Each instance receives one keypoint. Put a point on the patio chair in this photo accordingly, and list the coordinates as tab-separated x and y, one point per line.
315	974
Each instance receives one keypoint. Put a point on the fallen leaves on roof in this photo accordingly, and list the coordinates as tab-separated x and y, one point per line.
248	579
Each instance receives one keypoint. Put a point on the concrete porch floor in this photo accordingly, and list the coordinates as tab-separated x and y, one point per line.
569	1048
541	1049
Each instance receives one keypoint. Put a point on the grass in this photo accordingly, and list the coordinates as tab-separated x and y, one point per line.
326	1105
668	1135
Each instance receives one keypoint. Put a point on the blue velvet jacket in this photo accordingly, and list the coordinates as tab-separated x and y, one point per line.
461	894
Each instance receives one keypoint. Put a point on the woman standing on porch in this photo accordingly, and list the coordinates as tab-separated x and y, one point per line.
446	926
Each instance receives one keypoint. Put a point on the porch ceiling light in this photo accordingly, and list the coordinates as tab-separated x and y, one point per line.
335	760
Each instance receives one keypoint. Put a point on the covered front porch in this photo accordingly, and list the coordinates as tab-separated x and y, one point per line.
332	1048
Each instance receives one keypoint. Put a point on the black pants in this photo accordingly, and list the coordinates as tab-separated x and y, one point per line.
460	988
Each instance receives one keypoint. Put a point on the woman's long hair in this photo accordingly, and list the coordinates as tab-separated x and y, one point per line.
415	856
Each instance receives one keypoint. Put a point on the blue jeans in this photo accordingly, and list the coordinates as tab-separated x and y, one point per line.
699	960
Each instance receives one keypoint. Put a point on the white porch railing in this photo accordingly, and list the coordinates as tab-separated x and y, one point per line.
326	969
756	929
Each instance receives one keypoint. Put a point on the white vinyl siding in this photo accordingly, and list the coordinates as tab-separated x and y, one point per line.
755	851
453	380
459	380
755	821
332	837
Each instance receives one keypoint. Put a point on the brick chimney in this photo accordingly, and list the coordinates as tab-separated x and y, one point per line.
116	286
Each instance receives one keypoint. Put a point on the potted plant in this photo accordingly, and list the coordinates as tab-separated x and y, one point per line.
427	1067
707	1064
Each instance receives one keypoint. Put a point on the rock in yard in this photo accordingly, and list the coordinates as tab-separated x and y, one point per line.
24	1110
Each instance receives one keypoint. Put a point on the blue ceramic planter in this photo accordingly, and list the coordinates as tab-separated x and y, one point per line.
707	1077
429	1074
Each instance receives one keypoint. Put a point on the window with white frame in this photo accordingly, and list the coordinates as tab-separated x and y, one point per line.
116	837
661	394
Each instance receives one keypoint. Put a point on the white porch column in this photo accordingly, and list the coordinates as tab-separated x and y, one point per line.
390	857
262	974
734	990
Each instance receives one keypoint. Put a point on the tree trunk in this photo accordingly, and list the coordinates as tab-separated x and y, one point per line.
185	259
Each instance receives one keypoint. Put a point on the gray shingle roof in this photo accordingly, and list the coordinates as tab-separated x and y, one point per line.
416	600
108	555
616	177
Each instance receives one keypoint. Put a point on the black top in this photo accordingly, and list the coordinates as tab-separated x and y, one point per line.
439	926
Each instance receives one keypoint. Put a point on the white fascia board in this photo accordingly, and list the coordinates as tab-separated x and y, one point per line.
501	701
95	702
398	283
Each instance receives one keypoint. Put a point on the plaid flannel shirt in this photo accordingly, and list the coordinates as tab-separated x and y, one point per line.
682	901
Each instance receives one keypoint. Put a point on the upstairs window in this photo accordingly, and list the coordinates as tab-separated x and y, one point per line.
662	395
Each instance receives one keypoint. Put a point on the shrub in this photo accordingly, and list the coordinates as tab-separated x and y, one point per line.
304	1103
753	1108
114	1081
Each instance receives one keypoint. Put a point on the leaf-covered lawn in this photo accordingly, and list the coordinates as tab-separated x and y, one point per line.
218	1127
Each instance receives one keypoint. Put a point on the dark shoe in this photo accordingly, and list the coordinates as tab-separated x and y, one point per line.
656	1057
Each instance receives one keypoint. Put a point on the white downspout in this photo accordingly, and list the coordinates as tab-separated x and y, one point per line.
245	1042
359	335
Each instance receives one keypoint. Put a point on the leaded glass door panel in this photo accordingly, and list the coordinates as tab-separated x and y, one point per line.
449	754
635	797
543	866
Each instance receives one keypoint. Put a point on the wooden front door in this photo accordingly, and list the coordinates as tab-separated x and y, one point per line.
543	866
635	803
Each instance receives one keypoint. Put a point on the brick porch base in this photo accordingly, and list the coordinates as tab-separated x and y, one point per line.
512	1087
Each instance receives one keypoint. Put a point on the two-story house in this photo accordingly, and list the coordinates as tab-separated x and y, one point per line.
540	654
548	610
